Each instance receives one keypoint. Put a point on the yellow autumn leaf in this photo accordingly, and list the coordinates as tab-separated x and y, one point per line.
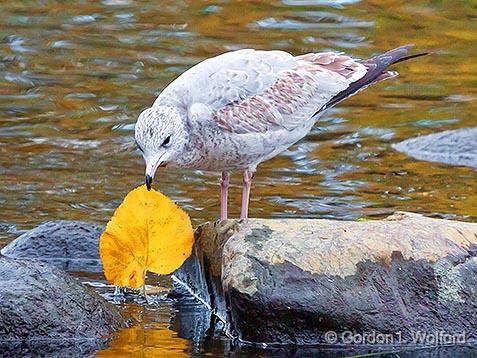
148	232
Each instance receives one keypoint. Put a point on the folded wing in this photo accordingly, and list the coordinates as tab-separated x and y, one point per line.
249	91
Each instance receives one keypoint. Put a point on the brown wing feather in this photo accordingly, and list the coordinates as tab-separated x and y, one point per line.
331	61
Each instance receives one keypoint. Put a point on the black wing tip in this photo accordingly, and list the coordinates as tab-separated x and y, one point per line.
405	58
393	56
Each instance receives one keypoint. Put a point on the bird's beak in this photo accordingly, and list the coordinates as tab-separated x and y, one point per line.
148	181
151	167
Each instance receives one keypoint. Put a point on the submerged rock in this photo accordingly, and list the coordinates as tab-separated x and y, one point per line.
45	311
456	147
69	245
291	281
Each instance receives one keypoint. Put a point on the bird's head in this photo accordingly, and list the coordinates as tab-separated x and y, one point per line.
160	136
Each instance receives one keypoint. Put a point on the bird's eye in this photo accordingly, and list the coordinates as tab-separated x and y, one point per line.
166	141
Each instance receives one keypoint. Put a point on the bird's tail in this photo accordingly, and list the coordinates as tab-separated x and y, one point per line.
377	71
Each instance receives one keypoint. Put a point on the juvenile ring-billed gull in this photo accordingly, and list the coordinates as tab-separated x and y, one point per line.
238	109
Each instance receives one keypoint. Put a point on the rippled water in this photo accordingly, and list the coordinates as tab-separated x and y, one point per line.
74	77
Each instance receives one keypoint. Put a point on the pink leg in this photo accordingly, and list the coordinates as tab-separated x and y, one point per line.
247	183
224	190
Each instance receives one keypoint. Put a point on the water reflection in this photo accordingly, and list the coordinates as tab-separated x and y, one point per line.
148	339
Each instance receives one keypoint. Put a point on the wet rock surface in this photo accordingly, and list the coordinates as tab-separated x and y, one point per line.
455	147
44	310
291	281
69	245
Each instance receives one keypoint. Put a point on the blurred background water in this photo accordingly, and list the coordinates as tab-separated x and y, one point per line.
75	75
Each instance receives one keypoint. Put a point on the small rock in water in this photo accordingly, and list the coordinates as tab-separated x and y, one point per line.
455	147
69	245
46	312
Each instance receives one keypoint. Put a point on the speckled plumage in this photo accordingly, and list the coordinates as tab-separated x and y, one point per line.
243	107
238	109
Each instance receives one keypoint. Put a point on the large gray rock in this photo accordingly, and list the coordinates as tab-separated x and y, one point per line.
291	281
456	147
69	245
44	310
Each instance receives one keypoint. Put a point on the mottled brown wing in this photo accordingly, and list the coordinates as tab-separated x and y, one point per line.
294	96
317	81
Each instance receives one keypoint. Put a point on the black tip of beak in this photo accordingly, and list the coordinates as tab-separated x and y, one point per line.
148	182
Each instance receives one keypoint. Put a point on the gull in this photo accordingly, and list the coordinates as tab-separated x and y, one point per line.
233	111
